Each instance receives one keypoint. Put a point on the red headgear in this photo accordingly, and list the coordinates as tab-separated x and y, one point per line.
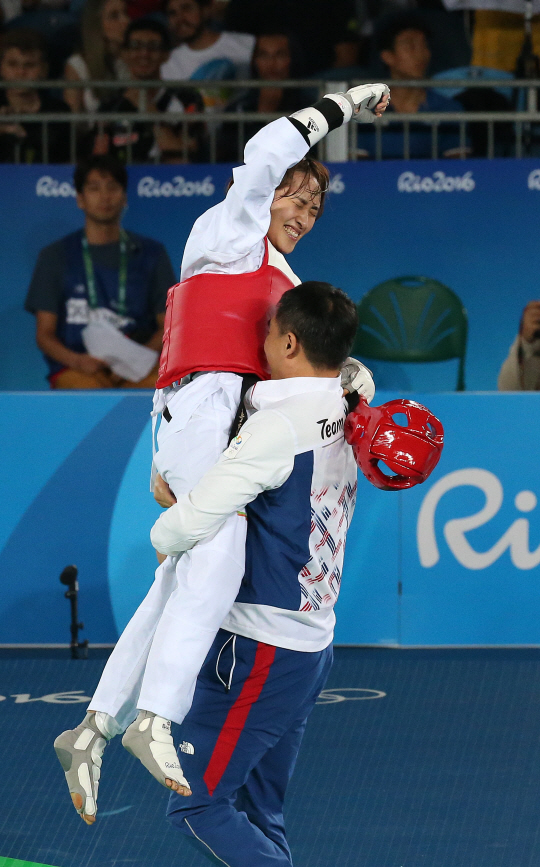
411	451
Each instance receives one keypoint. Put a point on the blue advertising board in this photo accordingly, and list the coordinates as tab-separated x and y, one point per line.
472	225
452	562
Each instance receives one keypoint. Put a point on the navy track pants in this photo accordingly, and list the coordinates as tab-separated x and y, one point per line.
239	745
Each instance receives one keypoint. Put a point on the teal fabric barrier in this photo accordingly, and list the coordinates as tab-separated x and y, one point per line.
452	562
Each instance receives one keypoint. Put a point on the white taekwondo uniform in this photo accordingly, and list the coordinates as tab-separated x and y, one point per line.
190	597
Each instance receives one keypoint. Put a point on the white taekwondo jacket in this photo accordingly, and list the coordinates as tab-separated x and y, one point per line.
229	237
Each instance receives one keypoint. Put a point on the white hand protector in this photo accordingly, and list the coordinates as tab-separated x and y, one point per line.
335	109
355	376
363	100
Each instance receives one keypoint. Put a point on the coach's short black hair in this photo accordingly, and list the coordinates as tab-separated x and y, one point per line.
151	24
392	25
324	320
106	164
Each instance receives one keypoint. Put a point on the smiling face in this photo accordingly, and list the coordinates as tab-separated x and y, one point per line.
144	54
293	212
187	19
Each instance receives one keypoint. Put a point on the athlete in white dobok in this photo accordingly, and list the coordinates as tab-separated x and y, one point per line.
233	274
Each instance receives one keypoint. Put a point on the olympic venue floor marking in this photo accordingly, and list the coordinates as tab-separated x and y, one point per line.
13	862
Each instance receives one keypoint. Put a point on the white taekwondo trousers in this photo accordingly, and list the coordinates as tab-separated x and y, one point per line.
156	661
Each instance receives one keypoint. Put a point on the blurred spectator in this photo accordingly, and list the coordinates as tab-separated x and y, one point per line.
146	48
219	8
521	369
272	61
487	99
23	58
498	38
402	41
103	28
142	8
328	29
99	274
9	9
450	31
56	21
200	51
275	60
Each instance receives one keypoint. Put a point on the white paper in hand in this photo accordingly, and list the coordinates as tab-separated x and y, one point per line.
126	358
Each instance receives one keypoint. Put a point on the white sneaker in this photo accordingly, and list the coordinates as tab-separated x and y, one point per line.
80	752
149	739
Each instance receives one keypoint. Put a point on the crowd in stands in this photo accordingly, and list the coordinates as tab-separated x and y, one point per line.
208	43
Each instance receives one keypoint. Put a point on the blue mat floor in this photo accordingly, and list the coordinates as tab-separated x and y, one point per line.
428	758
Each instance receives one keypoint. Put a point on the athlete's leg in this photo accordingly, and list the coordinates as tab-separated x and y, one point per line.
80	750
208	581
189	445
198	435
118	689
208	576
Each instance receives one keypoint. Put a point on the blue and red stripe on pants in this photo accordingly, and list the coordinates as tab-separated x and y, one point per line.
246	741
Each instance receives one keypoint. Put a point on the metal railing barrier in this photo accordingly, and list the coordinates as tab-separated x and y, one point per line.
521	130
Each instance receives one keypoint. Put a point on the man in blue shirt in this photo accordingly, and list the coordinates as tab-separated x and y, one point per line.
100	272
403	43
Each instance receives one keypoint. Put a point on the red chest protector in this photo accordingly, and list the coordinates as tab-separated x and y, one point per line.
220	322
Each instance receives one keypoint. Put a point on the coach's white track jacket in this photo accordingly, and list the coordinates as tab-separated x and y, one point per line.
292	469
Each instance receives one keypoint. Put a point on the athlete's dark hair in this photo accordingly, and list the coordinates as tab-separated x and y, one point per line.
105	165
395	23
309	168
323	319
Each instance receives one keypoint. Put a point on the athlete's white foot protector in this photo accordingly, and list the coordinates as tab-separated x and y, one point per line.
149	739
79	751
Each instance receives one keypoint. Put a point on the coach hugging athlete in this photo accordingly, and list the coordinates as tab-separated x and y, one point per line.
271	658
273	202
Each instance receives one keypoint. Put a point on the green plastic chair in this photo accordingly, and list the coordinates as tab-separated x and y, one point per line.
412	319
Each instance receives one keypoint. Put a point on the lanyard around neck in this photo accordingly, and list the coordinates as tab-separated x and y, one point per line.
122	274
